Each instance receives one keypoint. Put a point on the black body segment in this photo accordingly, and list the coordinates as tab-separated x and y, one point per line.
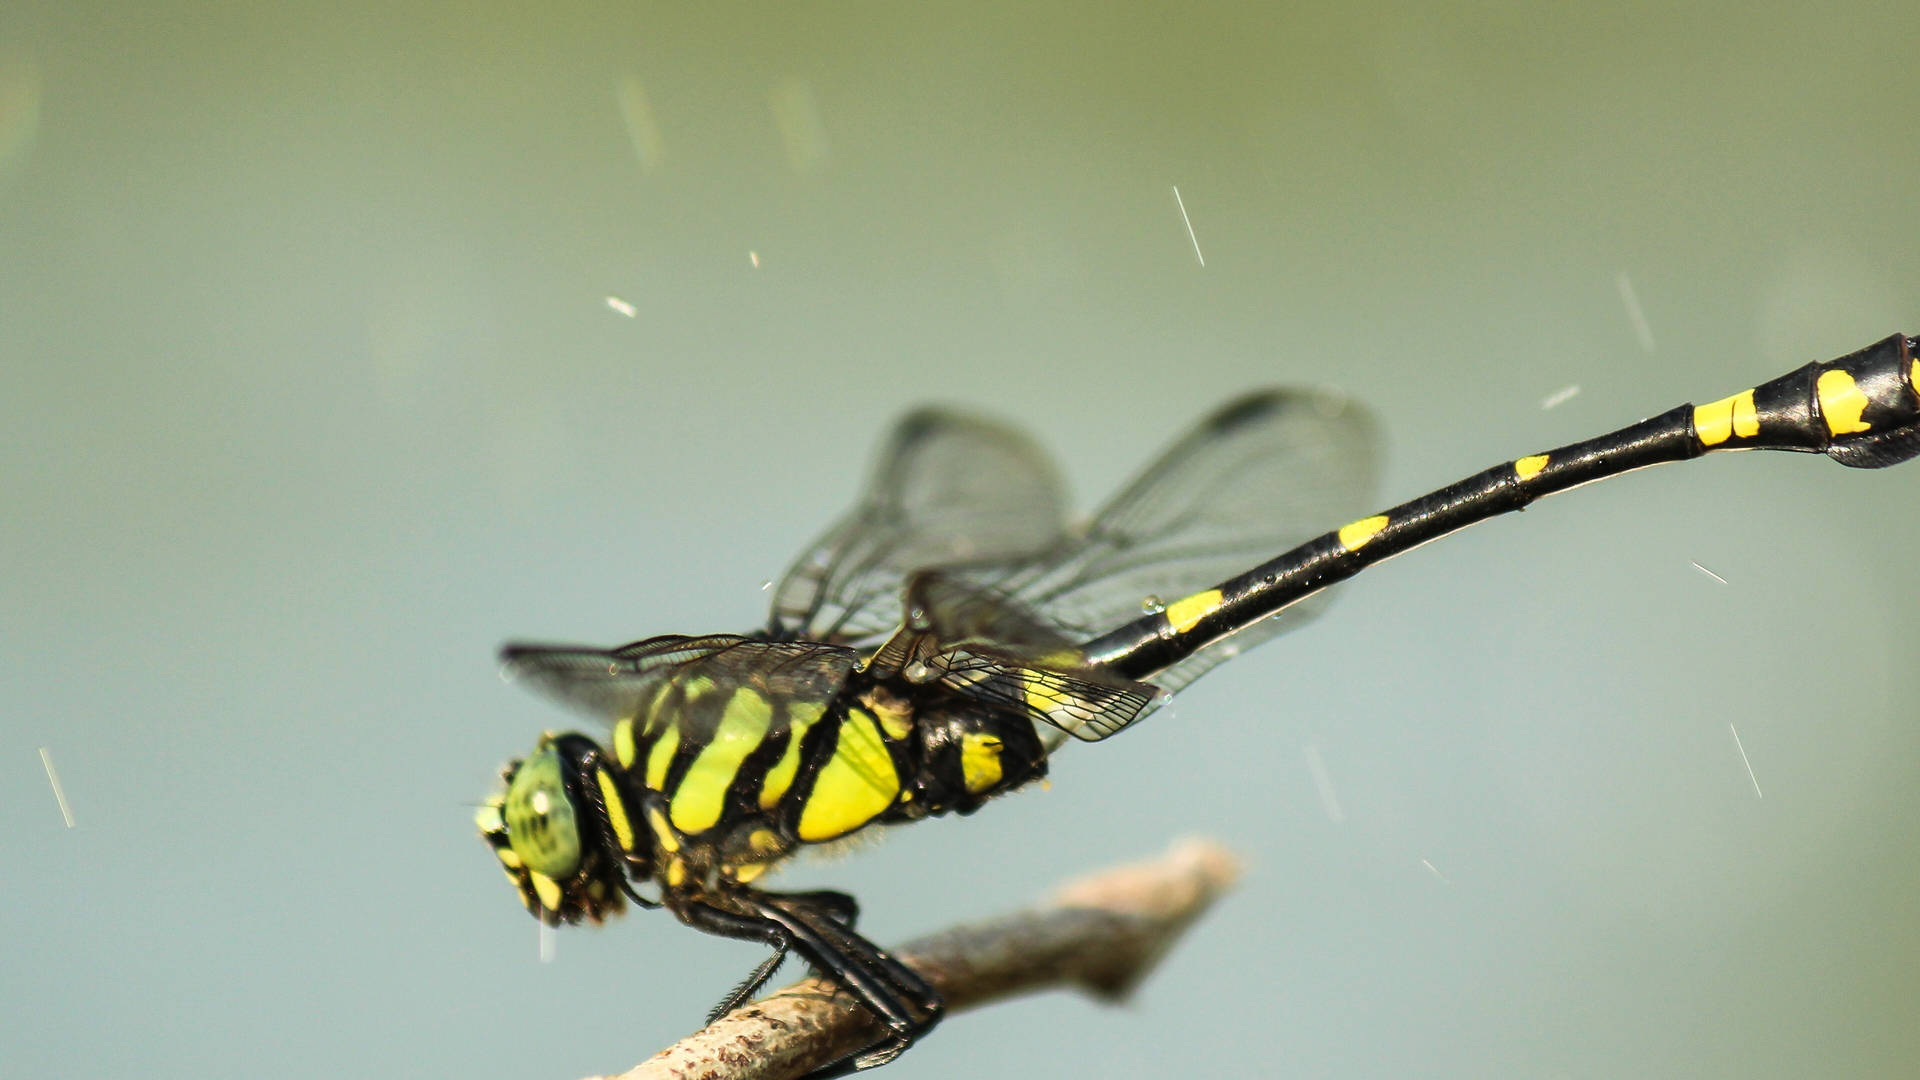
1862	410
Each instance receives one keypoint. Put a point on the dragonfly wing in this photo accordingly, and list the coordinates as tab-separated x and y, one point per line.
1089	705
947	488
612	684
1262	474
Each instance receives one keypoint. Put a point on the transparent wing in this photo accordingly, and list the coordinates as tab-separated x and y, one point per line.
611	684
947	488
959	612
1262	474
1089	705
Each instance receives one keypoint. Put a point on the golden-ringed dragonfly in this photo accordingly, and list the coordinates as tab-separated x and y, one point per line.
932	648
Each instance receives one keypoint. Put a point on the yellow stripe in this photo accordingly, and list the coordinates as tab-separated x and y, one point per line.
616	809
649	713
1841	402
1717	421
676	872
855	784
1713	422
547	889
801	716
660	757
702	792
763	848
1529	467
1746	421
745	874
980	760
663	833
1913	375
623	749
1183	614
1354	536
509	858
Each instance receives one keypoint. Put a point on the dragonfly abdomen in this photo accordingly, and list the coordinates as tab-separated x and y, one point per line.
1862	410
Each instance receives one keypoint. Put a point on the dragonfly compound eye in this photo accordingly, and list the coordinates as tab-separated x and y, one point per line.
541	825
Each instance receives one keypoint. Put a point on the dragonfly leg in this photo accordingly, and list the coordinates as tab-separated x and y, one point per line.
844	909
837	906
819	928
749	986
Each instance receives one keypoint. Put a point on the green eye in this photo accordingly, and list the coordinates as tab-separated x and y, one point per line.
540	823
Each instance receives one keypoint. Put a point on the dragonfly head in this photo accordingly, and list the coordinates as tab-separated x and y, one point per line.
561	831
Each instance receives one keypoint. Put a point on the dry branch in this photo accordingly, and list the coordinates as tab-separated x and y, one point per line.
1101	934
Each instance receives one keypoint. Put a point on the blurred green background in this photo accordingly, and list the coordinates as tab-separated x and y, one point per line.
312	392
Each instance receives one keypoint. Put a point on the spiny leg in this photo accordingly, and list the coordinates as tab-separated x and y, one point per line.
838	906
740	927
889	989
874	979
750	986
903	981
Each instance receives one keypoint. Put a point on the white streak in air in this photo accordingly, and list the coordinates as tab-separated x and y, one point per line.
546	942
1749	764
1708	572
1182	203
59	793
1634	315
754	258
1435	870
1559	397
1324	781
621	306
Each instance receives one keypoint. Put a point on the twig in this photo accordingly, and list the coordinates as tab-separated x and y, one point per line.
1101	934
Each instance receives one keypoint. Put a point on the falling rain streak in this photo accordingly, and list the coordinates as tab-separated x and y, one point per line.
1631	300
1560	396
1323	780
1743	757
1182	204
59	793
1708	572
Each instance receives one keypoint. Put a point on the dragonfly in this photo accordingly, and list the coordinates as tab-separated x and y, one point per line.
933	648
